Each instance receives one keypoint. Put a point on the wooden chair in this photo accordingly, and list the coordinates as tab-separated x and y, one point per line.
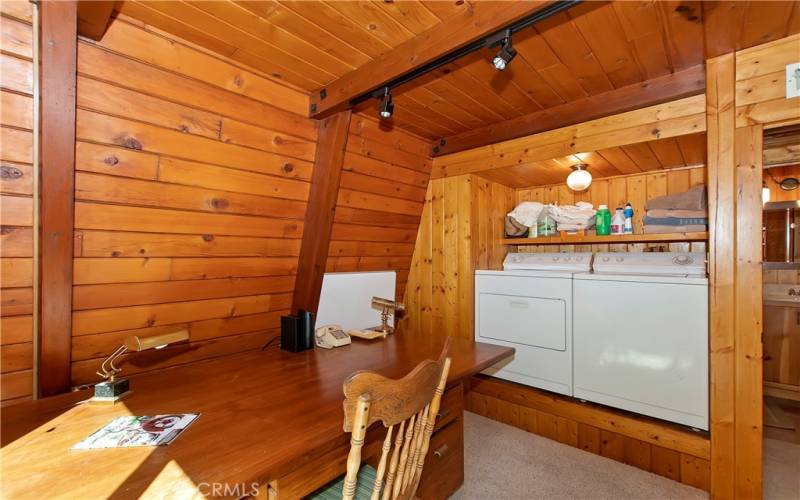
407	408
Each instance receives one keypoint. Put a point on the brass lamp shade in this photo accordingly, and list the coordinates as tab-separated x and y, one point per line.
144	343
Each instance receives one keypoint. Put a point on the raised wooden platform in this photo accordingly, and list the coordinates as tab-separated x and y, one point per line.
665	449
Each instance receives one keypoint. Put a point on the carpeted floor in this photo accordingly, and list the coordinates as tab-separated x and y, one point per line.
503	462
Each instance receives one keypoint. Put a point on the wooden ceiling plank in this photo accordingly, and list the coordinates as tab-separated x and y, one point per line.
373	19
442	106
668	153
598	164
531	82
643	156
483	18
449	88
564	39
245	42
411	14
299	26
621	161
667	88
501	83
93	18
693	148
682	21
244	20
141	12
722	24
764	22
445	9
603	33
338	25
642	29
477	89
442	122
405	117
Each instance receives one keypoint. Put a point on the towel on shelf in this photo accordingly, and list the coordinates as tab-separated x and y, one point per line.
663	212
674	221
575	217
527	213
658	229
693	199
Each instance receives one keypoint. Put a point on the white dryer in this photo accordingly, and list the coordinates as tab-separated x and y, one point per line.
641	335
528	306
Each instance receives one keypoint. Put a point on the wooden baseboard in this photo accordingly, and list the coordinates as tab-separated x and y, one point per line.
664	449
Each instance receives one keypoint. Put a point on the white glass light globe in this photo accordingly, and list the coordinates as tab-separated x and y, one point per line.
579	179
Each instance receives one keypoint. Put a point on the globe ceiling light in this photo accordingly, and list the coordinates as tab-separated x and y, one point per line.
580	178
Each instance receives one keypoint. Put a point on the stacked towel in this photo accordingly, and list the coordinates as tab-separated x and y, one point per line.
527	213
678	213
573	217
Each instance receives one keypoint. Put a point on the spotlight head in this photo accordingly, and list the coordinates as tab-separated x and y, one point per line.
504	55
386	108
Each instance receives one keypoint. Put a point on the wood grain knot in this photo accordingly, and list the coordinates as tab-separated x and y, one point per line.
287	168
6	230
111	160
10	173
656	132
238	80
277	140
116	253
220	203
208	237
129	142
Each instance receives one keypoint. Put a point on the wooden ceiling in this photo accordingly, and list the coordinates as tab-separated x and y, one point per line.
670	153
592	48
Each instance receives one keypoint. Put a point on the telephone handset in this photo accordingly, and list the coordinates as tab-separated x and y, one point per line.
330	336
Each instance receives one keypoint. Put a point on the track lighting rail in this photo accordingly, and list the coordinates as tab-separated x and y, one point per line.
489	41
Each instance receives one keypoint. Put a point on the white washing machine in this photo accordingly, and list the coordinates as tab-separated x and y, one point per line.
641	335
528	306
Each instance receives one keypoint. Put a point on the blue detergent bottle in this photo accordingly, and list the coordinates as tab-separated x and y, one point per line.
628	213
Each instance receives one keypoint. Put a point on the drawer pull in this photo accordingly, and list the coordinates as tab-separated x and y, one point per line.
518	304
439	453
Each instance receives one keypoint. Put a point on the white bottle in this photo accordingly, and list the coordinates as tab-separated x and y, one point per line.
618	222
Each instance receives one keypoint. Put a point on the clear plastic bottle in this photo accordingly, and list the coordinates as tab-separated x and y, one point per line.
618	222
602	221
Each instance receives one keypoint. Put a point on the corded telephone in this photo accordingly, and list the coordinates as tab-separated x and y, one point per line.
330	336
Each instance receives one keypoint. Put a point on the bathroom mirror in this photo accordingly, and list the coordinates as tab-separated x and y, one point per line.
780	235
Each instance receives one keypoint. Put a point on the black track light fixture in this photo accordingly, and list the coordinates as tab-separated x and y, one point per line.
386	108
506	53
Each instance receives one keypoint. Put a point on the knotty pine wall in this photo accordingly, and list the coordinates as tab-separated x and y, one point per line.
16	203
381	196
463	220
192	178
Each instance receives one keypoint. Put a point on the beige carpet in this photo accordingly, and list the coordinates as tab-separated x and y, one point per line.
781	470
509	463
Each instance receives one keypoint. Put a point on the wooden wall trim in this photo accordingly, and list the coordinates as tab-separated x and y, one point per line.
321	209
58	90
670	87
93	17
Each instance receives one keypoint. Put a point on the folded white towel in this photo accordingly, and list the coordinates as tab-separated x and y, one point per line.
576	217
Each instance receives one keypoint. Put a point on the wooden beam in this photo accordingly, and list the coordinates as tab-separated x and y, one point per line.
685	83
749	355
321	209
58	68
93	17
480	19
682	117
720	78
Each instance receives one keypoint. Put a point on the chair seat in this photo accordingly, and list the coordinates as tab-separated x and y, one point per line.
333	490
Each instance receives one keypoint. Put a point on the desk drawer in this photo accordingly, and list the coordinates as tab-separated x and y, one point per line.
443	472
451	407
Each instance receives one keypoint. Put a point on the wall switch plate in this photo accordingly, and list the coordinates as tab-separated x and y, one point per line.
792	80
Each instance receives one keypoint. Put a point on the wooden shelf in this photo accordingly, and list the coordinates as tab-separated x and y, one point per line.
611	239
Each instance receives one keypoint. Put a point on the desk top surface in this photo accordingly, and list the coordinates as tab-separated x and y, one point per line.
262	413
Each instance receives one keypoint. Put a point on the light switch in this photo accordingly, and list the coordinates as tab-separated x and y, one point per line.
792	80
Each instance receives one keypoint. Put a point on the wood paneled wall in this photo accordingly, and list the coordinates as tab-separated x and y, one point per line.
461	224
16	202
616	192
381	196
192	177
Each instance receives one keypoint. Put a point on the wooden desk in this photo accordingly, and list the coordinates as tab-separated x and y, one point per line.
264	416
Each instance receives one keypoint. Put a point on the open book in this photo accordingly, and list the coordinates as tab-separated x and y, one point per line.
124	432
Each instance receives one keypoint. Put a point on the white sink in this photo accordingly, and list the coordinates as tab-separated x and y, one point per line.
782	293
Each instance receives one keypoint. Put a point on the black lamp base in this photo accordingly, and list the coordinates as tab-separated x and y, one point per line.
111	391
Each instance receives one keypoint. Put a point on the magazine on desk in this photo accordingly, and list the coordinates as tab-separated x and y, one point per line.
125	432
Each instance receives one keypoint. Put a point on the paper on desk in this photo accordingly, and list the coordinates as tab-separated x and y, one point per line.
125	432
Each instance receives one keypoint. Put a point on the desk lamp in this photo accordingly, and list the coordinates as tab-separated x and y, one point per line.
114	389
387	308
